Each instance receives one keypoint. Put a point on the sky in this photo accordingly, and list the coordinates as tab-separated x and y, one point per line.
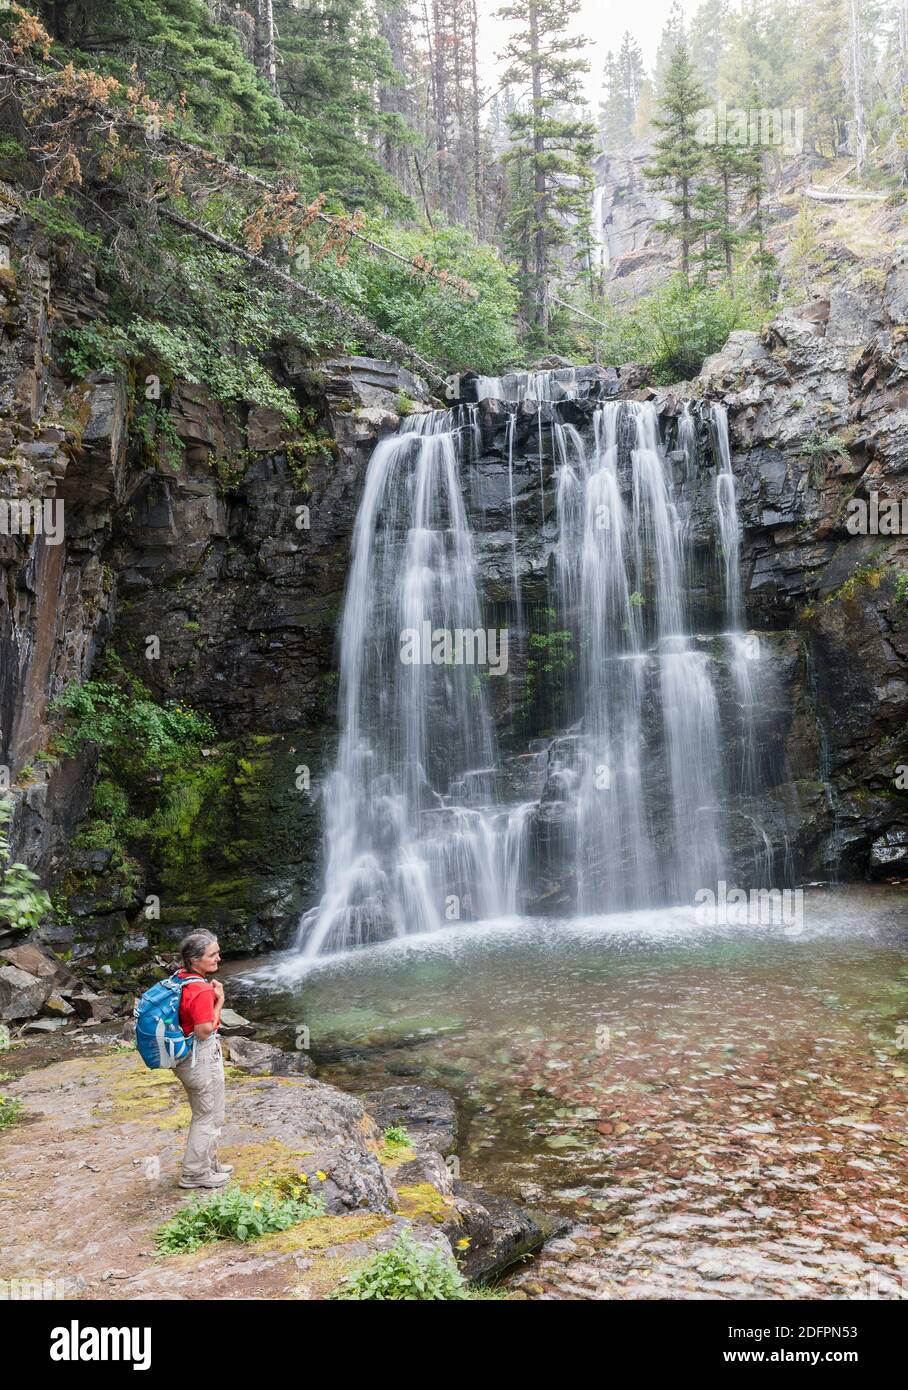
603	21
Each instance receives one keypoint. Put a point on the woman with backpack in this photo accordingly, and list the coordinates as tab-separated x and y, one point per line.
202	1071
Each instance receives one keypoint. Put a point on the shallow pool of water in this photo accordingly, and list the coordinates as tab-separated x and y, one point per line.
721	1112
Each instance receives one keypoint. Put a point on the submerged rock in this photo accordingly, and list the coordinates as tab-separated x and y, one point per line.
427	1113
499	1231
263	1059
233	1024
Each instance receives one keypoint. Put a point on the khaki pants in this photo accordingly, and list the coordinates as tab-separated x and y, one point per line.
203	1081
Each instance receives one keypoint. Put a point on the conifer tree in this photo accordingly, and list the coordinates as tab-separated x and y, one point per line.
622	82
554	139
678	154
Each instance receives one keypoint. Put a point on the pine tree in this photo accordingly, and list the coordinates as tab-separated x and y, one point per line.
679	156
674	32
856	71
612	126
265	54
729	170
553	141
707	40
818	74
622	81
333	62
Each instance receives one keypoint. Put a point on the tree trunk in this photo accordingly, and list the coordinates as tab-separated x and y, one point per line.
539	179
265	56
685	228
440	93
477	145
860	128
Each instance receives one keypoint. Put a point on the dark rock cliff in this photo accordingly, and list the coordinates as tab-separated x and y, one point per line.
818	410
213	561
228	543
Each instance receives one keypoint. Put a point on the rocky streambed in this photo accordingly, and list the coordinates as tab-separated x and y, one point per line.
715	1111
88	1173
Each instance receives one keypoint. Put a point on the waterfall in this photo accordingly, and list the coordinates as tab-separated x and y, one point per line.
410	730
419	828
600	255
727	510
744	650
631	622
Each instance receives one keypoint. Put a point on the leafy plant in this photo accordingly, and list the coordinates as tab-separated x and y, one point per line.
550	658
9	1111
233	1214
59	217
22	905
674	328
825	446
397	1143
133	731
95	347
288	1185
408	1272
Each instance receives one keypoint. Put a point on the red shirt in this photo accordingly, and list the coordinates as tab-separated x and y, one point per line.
196	1003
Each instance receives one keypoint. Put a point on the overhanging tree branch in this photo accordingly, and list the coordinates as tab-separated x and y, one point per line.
385	343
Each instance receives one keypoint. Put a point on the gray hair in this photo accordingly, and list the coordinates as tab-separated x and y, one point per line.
195	945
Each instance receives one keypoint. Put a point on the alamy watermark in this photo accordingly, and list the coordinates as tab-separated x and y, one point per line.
33	1288
459	646
778	125
42	516
877	516
758	907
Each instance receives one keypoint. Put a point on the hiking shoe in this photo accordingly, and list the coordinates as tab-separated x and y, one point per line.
224	1168
208	1180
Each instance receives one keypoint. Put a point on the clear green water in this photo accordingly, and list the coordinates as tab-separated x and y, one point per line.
719	1112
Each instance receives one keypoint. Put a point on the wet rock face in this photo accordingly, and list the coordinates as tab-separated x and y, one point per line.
500	1233
818	416
230	547
65	457
339	1138
635	256
428	1114
233	552
243	582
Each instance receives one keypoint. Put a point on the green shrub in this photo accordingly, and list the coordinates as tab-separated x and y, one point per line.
9	1111
95	347
397	1137
233	1215
60	218
406	1271
134	733
673	329
550	658
22	905
820	445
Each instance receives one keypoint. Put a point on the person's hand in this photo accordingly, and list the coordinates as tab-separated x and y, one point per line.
218	991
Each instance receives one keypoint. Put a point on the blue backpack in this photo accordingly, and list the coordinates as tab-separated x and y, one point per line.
159	1037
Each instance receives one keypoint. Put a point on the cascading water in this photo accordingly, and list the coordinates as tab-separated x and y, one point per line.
416	833
744	650
631	628
410	728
